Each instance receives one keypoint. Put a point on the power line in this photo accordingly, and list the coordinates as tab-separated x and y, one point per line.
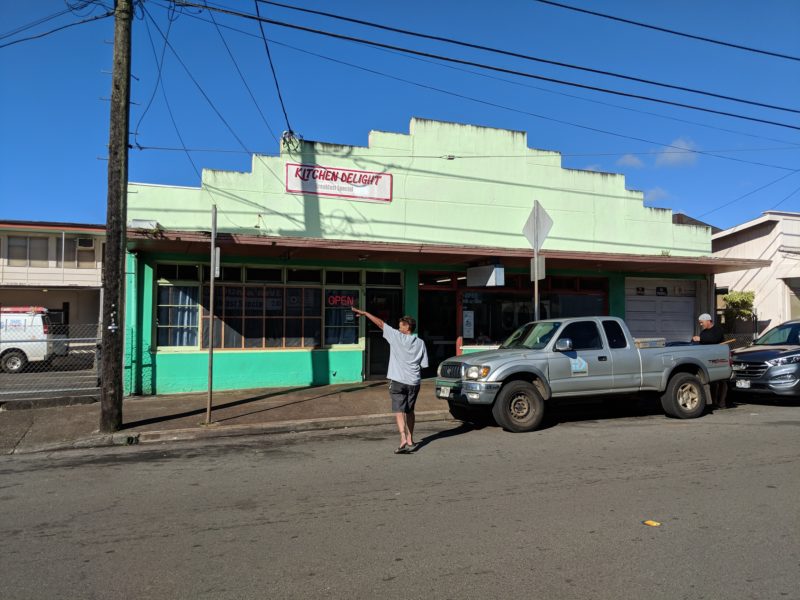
527	56
242	77
272	67
159	66
202	92
525	112
39	21
46	33
485	66
721	206
166	100
511	82
478	156
670	31
785	199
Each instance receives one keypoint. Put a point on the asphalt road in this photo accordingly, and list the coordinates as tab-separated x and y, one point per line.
554	514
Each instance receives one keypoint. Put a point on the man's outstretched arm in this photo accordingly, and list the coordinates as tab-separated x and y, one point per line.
362	313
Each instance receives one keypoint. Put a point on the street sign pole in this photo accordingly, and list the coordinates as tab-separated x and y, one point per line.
535	231
213	273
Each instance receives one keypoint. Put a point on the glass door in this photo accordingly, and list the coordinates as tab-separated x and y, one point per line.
386	304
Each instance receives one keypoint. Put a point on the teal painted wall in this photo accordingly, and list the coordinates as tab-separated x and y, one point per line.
180	371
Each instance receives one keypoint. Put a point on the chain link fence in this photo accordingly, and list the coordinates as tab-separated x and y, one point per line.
63	361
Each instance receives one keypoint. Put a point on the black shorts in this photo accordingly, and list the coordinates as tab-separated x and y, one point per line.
403	396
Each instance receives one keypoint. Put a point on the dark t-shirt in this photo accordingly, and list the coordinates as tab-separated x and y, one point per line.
712	335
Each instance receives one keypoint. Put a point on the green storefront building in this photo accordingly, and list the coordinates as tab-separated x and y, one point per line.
393	227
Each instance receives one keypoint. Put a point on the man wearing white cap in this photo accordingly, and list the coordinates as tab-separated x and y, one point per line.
712	334
709	333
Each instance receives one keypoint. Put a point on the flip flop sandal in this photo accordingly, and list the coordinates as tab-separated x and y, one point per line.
401	450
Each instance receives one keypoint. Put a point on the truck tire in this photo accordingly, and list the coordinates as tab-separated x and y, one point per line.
518	407
685	397
13	361
476	416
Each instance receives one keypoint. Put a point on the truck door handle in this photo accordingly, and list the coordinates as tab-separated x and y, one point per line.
602	358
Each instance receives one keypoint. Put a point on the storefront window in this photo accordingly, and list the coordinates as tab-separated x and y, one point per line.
341	326
176	319
264	317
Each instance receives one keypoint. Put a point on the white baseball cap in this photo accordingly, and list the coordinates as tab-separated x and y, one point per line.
705	317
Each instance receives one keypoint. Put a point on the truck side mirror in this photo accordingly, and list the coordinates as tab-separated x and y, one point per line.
564	345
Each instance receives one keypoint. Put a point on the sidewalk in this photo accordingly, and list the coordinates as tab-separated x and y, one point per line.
182	416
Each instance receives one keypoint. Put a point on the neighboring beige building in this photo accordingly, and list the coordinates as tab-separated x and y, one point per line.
775	236
55	265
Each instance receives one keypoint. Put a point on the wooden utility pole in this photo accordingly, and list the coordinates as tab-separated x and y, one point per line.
113	334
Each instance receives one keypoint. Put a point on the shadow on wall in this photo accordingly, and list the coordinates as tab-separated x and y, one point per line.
320	368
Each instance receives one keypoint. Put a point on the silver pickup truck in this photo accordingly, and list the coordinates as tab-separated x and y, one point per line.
586	356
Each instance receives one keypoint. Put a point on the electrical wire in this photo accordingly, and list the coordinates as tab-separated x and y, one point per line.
32	24
526	56
203	93
516	83
488	67
159	65
785	199
274	74
46	33
670	31
528	113
742	197
166	100
242	77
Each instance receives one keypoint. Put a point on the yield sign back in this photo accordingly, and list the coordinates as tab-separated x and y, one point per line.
537	226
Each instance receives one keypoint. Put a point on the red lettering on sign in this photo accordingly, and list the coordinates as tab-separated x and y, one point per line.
338	300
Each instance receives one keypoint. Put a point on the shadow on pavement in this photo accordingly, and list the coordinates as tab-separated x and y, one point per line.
440	435
201	411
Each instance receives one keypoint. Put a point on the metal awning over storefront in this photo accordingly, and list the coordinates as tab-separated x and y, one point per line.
298	248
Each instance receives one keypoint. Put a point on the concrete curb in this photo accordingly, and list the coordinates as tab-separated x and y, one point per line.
219	431
48	402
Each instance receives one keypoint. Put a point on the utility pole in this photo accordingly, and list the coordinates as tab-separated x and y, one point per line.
113	334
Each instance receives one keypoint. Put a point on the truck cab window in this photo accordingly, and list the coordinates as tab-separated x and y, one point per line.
584	335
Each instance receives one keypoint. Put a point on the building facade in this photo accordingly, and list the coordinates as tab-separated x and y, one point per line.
55	265
774	236
392	227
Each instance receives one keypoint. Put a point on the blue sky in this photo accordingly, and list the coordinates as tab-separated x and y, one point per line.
54	119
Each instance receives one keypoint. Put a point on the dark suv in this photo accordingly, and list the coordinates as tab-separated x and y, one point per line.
771	364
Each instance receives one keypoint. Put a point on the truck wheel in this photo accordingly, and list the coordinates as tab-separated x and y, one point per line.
476	416
685	397
518	407
13	361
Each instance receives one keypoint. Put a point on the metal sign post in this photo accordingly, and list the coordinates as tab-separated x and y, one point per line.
535	231
213	272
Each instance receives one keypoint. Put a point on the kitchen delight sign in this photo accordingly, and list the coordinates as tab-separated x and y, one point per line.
343	183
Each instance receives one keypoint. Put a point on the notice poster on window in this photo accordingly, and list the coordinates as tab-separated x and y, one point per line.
469	324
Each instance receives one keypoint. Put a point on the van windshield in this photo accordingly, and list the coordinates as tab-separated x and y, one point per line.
533	336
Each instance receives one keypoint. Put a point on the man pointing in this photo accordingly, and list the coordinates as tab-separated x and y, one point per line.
407	358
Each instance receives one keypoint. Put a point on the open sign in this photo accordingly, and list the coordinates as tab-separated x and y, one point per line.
342	300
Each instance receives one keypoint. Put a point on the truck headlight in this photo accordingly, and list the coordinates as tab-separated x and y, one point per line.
785	360
477	372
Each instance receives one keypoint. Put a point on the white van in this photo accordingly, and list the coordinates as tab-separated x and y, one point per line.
25	337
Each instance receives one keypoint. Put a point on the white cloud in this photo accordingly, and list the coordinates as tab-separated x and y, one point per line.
629	160
655	194
591	168
674	157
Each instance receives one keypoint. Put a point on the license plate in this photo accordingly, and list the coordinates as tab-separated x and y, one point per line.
443	392
742	383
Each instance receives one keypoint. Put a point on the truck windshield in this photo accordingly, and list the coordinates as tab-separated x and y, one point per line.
533	336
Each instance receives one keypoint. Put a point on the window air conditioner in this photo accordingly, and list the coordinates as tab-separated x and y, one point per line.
85	243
